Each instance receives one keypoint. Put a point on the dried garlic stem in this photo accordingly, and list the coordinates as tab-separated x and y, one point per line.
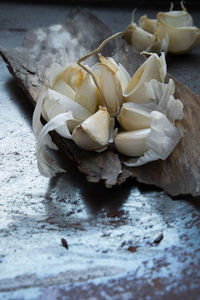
133	15
171	6
94	52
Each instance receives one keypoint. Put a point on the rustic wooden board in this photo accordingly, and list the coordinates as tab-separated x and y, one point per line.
31	63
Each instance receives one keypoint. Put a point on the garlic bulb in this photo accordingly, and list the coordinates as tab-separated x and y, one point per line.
94	132
81	103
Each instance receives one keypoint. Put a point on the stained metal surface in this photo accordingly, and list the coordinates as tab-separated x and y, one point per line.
127	243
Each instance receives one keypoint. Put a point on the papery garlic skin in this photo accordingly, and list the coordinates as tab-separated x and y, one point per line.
56	103
174	109
46	165
160	142
133	116
132	143
94	133
147	24
153	68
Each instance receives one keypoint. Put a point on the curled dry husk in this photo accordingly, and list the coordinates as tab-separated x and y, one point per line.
171	31
82	102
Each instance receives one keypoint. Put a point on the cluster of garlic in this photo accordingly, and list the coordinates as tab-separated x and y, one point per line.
82	104
171	31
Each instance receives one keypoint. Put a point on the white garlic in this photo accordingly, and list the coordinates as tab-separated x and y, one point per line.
134	116
132	143
147	24
174	109
70	105
178	26
181	39
87	94
153	68
56	103
94	132
110	87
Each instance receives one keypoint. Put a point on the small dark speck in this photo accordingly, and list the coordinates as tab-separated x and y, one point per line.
64	243
158	239
132	249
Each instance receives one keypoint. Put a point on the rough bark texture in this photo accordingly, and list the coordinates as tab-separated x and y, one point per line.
60	44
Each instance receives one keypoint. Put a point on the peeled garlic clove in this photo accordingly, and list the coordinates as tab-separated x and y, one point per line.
134	116
147	24
62	87
87	94
153	68
110	88
181	39
132	143
93	133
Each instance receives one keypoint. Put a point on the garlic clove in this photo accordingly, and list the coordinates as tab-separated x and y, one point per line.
181	39
123	76
73	76
147	24
153	68
132	143
62	87
160	142
176	18
141	39
56	103
110	88
94	132
87	94
120	72
138	37
134	116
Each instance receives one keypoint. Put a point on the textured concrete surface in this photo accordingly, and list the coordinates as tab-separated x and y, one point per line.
127	243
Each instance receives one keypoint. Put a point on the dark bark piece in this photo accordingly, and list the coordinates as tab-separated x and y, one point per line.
31	65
